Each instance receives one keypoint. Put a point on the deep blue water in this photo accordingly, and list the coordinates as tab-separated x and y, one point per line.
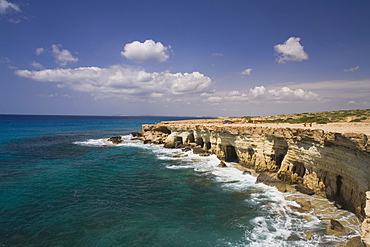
61	185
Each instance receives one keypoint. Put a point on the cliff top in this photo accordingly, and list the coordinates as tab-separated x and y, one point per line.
345	121
338	127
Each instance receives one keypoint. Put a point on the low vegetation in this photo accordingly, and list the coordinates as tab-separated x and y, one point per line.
318	117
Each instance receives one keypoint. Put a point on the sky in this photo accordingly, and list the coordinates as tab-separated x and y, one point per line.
184	58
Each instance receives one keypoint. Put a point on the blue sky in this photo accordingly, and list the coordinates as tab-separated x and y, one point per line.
194	58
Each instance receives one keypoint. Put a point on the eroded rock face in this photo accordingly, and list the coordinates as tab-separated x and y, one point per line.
330	164
365	227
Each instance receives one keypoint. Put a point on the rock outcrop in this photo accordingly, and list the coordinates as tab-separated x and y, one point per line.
115	139
334	165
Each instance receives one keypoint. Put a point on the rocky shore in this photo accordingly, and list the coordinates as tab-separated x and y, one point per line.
315	160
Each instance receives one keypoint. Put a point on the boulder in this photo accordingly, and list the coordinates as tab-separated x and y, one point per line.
198	150
335	228
222	164
355	242
245	172
115	139
169	144
308	235
186	148
136	134
271	180
336	225
304	190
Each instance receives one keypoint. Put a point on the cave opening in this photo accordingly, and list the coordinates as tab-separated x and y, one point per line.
299	169
230	154
339	185
280	148
191	138
178	139
208	145
199	141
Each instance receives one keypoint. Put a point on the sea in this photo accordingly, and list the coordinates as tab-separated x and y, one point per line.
63	184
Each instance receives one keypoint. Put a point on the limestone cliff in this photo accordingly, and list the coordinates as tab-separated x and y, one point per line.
334	165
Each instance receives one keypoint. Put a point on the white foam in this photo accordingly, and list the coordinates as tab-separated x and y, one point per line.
94	142
179	167
281	221
103	142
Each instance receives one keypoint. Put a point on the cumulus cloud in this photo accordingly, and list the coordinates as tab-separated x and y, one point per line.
62	57
36	65
149	50
246	72
352	69
291	50
285	94
262	94
38	51
214	99
258	91
6	6
336	90
122	81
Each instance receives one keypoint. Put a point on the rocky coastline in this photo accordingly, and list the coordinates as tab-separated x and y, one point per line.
314	161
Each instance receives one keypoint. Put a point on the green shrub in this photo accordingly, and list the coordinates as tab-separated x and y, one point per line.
355	120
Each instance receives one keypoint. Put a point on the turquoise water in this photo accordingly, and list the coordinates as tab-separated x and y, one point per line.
62	184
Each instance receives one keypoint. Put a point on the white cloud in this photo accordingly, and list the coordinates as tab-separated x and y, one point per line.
234	93
362	104
352	69
258	91
6	6
336	90
62	57
5	60
214	99
286	94
122	81
217	55
149	50
260	94
38	51
291	50
36	65
246	72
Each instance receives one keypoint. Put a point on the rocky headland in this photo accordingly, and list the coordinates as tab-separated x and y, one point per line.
329	160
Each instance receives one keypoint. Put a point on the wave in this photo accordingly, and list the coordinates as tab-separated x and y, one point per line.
284	224
281	223
103	142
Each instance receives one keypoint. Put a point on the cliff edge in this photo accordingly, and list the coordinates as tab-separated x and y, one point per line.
334	164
